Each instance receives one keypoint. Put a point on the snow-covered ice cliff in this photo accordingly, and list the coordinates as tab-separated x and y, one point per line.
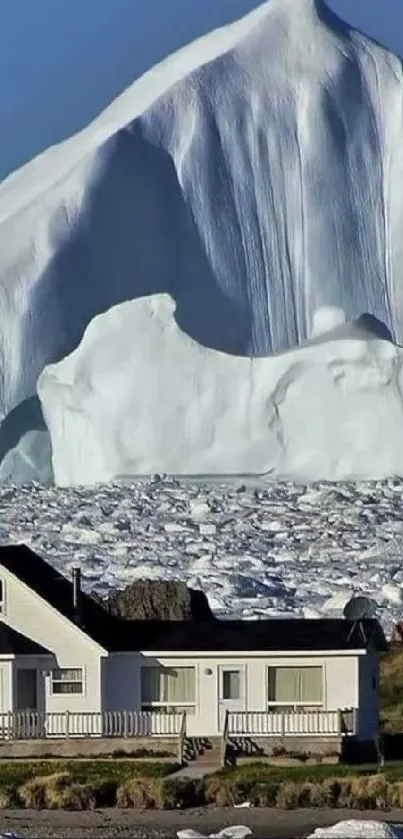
255	177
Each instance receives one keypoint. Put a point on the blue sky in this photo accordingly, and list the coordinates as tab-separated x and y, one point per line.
62	61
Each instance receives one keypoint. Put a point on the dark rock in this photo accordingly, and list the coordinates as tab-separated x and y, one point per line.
158	600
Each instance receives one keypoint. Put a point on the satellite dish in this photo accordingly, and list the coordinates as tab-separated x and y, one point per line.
359	608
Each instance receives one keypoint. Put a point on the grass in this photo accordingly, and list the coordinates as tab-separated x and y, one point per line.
15	773
257	771
83	785
391	690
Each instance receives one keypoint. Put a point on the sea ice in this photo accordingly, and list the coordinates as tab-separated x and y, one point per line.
393	592
244	570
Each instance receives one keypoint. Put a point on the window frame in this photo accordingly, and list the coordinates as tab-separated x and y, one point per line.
295	705
150	706
64	693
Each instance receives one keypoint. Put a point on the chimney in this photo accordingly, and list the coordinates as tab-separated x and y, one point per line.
76	591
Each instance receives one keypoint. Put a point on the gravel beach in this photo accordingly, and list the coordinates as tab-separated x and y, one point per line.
111	823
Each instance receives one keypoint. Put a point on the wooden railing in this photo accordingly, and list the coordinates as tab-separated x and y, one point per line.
182	739
25	725
315	723
224	739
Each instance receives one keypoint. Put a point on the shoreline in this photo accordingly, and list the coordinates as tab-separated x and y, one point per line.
267	823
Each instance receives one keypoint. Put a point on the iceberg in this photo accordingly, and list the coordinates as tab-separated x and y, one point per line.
139	396
253	178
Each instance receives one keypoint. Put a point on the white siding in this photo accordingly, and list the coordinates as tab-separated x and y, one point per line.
6	686
26	612
340	681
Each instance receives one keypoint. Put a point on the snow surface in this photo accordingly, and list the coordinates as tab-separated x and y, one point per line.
254	176
277	549
138	396
356	829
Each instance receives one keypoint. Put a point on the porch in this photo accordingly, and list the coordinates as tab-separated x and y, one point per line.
164	735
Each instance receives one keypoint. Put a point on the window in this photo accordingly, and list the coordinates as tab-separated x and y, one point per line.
67	680
231	684
168	688
295	686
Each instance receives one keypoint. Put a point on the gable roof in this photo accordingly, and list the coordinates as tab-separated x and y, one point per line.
56	590
273	635
117	635
14	643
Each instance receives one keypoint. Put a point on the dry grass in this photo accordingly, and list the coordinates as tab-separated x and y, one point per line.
359	793
44	791
9	799
62	791
160	794
56	792
78	797
140	793
365	792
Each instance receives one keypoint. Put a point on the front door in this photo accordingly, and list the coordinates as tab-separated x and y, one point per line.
27	693
232	690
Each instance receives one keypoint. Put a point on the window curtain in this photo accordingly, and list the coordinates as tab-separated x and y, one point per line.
65	675
160	684
295	684
67	681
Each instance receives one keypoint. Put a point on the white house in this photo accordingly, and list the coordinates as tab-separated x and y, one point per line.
64	657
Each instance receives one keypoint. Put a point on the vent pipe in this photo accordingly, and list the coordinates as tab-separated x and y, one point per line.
76	590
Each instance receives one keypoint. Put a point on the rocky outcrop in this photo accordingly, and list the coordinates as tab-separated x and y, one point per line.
158	600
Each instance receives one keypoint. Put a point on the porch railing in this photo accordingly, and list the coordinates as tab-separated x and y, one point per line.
23	725
316	723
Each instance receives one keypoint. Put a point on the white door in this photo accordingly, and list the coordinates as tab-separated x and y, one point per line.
231	690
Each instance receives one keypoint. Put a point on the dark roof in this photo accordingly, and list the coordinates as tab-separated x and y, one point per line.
57	590
13	643
301	635
114	634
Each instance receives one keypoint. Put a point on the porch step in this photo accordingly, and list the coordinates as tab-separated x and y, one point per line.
202	749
